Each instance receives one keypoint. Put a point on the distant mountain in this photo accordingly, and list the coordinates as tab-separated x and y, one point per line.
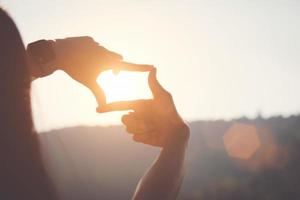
104	163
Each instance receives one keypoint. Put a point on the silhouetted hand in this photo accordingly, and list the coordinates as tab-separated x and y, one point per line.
155	121
84	59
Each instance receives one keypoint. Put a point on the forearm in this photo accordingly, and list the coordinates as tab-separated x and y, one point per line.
164	178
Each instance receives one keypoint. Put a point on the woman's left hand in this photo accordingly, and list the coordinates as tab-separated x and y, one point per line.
155	122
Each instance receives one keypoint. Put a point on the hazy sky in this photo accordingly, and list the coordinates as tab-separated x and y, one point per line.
219	59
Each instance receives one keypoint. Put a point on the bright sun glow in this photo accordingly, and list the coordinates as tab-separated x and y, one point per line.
124	86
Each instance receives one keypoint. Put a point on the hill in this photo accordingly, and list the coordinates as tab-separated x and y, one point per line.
104	163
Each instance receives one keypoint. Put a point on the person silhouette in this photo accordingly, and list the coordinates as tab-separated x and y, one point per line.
155	122
22	173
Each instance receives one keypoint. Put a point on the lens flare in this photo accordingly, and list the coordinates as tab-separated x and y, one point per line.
241	141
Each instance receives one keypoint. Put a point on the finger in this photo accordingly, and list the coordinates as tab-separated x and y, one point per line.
134	130
98	93
126	66
138	127
107	55
127	118
115	56
154	141
122	105
135	124
141	137
154	85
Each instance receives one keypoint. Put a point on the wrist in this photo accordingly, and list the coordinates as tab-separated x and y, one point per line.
183	132
41	58
34	69
178	134
179	127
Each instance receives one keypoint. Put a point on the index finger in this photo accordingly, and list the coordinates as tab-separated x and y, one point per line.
126	66
121	106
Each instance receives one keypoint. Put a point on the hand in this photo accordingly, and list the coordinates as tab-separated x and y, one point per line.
84	59
154	122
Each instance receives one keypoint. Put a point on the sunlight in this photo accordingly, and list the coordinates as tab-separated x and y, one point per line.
124	86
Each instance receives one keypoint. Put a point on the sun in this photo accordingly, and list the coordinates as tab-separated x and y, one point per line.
124	86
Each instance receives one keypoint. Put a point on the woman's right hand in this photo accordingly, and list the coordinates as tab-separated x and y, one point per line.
84	59
155	122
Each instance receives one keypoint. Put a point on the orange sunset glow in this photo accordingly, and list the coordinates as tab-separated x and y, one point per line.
124	85
146	100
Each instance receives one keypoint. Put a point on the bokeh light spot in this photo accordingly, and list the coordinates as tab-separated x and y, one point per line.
241	141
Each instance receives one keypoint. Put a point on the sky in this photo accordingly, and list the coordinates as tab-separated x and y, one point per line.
220	59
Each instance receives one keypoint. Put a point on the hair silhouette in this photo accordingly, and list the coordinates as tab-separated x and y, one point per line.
22	175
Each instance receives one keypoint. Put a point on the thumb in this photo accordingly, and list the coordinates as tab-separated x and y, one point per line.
154	85
98	93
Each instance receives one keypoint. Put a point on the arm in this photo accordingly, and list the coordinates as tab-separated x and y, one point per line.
156	122
164	178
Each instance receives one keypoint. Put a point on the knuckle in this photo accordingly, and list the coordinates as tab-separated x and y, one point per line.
88	38
168	95
128	129
124	119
